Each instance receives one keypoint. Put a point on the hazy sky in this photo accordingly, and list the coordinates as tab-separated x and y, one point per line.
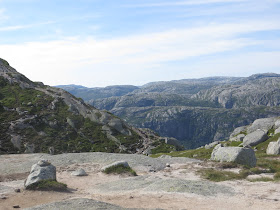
110	42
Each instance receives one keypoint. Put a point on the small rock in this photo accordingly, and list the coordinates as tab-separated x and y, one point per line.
167	165
17	190
131	197
79	172
16	206
273	148
3	197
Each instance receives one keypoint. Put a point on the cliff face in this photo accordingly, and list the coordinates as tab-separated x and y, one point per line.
198	111
36	118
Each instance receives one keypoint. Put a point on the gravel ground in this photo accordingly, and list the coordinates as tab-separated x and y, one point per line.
80	204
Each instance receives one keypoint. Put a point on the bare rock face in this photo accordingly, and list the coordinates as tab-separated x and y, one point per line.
273	148
244	156
43	170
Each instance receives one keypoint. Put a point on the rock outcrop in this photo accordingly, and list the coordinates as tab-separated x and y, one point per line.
43	170
240	155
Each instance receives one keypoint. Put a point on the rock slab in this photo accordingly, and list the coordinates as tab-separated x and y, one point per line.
43	170
240	155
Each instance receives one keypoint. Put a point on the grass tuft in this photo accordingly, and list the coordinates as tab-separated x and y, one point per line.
120	169
48	185
261	179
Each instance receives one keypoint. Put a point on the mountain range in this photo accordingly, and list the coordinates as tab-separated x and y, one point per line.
194	111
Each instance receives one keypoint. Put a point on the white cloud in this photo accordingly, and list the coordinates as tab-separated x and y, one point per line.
135	59
19	27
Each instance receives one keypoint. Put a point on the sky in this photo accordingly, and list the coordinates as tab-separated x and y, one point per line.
96	43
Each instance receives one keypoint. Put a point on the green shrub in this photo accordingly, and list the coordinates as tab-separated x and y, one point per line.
48	185
218	176
120	169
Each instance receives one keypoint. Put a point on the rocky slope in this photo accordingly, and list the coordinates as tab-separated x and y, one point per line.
198	111
39	118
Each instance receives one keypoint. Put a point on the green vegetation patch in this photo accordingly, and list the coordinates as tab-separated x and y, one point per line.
200	153
120	169
261	179
218	176
163	148
48	185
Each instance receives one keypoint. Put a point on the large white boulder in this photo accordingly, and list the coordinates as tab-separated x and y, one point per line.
43	170
255	138
240	155
273	148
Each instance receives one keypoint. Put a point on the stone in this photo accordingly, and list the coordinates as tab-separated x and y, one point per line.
118	163
273	148
17	190
277	124
239	137
255	138
238	131
16	206
263	124
51	150
240	155
277	130
43	170
211	145
79	172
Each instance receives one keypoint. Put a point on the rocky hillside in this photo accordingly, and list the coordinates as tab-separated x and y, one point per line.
256	90
38	118
197	111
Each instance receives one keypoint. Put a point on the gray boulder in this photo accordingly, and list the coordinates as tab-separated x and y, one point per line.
79	172
238	131
264	124
273	148
240	155
255	138
43	170
118	163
